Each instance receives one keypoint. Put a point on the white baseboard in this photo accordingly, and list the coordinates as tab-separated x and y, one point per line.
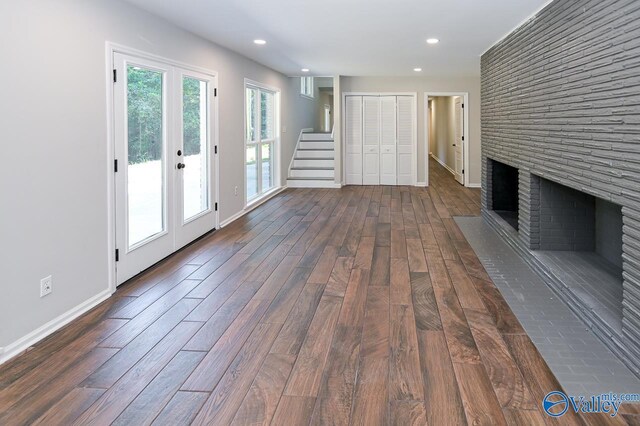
252	206
421	184
443	164
296	183
22	344
474	185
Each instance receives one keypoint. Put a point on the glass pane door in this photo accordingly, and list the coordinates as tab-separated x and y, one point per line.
164	187
194	139
145	146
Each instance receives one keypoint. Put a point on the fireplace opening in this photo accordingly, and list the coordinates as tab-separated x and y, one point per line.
580	240
504	192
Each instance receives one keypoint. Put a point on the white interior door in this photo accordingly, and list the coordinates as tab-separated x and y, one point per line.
459	141
406	137
353	140
371	140
164	176
388	140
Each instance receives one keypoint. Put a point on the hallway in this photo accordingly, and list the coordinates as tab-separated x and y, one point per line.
360	305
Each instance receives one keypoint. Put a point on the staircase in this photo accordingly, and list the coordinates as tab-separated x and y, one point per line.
313	162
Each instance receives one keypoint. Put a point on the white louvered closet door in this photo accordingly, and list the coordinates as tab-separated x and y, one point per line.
405	145
371	140
353	121
388	140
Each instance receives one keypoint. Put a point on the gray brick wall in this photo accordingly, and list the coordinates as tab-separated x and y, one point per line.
567	218
529	217
609	231
561	99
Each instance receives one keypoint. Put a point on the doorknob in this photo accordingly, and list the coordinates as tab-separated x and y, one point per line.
181	166
454	144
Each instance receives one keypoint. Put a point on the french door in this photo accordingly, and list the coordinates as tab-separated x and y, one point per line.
261	138
164	181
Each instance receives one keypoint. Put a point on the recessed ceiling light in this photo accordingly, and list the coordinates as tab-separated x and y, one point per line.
432	40
305	70
417	69
259	41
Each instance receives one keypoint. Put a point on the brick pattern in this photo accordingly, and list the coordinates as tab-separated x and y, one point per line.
486	190
567	218
529	217
561	99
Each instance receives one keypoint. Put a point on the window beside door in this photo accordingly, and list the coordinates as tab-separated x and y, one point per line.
261	140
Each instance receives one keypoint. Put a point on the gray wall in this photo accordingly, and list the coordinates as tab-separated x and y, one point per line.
609	231
420	85
567	218
54	130
560	99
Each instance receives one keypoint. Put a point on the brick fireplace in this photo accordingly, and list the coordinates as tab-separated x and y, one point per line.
559	123
504	191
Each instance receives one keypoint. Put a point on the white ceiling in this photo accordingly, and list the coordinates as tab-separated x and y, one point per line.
352	37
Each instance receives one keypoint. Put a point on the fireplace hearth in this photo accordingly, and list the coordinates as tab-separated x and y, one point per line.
573	239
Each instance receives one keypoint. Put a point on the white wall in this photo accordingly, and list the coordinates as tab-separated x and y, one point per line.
420	85
53	181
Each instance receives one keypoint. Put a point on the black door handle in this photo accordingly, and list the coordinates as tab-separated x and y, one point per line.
181	166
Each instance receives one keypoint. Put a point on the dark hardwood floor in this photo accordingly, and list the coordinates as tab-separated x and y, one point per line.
362	305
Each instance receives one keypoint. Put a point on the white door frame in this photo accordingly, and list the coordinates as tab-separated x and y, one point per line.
327	118
465	145
110	50
343	132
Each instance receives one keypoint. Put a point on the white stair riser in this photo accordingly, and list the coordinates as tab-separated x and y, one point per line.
312	163
316	145
293	183
314	154
310	173
316	137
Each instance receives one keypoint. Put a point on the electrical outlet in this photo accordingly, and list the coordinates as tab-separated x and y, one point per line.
236	191
46	286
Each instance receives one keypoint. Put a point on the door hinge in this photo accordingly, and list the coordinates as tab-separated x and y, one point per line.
462	105
215	149
215	91
463	138
462	171
117	255
216	206
115	76
115	166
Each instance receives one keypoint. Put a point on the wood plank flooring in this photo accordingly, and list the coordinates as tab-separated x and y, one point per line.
361	305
